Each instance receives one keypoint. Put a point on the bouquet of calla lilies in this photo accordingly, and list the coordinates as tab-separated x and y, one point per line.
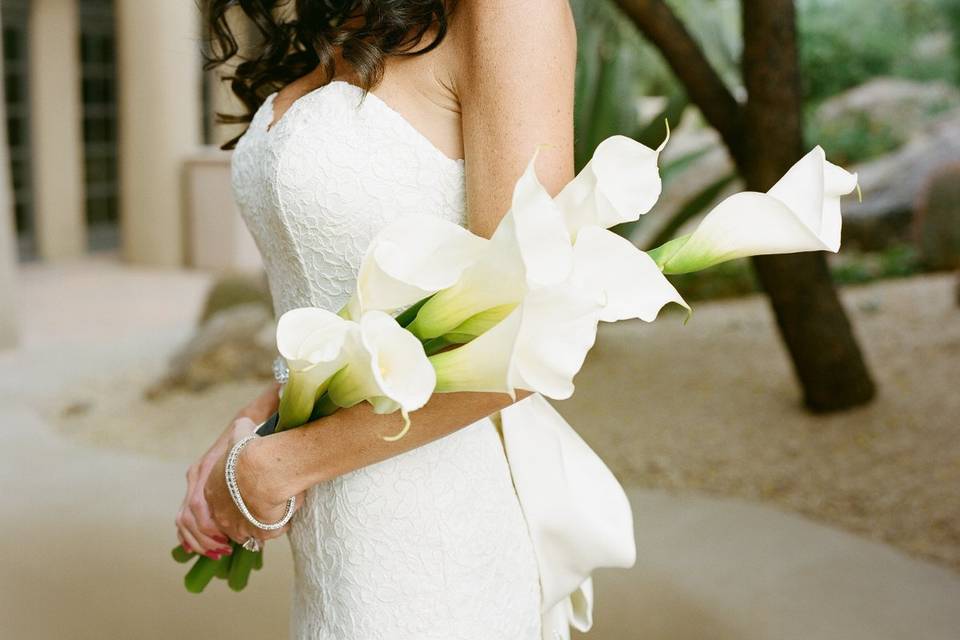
438	309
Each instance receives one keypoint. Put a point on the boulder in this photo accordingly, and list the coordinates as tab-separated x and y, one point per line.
937	219
897	105
237	343
892	185
236	289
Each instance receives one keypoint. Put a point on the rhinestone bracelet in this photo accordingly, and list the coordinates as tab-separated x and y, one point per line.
231	474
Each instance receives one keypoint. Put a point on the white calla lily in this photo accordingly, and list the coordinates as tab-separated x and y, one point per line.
530	248
539	347
411	258
313	343
800	213
627	280
619	184
386	366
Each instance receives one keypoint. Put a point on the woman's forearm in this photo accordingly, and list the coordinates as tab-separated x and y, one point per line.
290	462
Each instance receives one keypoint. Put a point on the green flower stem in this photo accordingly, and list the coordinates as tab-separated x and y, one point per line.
240	568
456	372
200	575
665	252
297	402
405	318
223	564
181	555
436	345
323	408
479	323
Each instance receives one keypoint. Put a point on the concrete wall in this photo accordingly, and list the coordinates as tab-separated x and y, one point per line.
160	124
217	238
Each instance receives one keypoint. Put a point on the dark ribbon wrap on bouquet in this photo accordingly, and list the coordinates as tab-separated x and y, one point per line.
270	426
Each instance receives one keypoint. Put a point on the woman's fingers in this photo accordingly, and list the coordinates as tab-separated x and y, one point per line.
201	542
186	538
183	543
198	507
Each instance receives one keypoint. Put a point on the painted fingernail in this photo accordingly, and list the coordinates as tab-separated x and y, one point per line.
212	555
186	547
225	552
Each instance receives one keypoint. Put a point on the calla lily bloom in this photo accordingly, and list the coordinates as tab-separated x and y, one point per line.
313	343
627	281
800	213
386	366
530	248
410	259
539	347
479	324
619	184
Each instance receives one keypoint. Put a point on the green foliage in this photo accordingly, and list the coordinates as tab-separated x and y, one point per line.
844	43
716	26
736	278
727	280
894	262
615	69
854	139
951	16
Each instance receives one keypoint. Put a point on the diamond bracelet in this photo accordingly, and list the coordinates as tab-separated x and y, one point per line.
230	471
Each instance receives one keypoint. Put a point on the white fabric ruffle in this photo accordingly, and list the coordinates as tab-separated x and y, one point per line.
577	513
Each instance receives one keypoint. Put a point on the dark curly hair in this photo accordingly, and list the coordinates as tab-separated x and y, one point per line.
294	37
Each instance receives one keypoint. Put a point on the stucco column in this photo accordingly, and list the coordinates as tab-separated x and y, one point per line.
55	129
8	253
160	123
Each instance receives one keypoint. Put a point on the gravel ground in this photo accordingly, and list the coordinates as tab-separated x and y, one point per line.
707	407
713	408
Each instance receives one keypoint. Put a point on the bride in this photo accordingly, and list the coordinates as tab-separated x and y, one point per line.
361	111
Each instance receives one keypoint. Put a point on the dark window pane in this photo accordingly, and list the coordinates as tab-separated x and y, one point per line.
99	113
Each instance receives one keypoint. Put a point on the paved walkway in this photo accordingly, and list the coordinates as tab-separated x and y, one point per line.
85	549
87	530
716	569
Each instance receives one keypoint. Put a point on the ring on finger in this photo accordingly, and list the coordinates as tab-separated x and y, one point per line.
252	544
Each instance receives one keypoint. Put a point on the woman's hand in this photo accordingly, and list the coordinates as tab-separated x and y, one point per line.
195	526
196	529
265	499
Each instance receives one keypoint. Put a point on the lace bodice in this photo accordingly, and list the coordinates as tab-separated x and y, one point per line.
431	544
318	184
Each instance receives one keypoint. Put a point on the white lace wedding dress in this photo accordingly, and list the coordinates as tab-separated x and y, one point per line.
449	541
432	543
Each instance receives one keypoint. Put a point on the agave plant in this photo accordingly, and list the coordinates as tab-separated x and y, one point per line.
616	68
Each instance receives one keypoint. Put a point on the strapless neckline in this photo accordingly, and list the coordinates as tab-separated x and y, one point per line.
271	126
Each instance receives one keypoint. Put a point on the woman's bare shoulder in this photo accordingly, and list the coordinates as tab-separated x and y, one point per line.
485	35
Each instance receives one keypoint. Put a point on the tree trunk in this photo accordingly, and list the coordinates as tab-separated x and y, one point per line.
814	325
765	138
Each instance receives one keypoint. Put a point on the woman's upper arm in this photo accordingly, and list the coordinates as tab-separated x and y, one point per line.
514	79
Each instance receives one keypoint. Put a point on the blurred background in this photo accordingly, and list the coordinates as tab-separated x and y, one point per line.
792	453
